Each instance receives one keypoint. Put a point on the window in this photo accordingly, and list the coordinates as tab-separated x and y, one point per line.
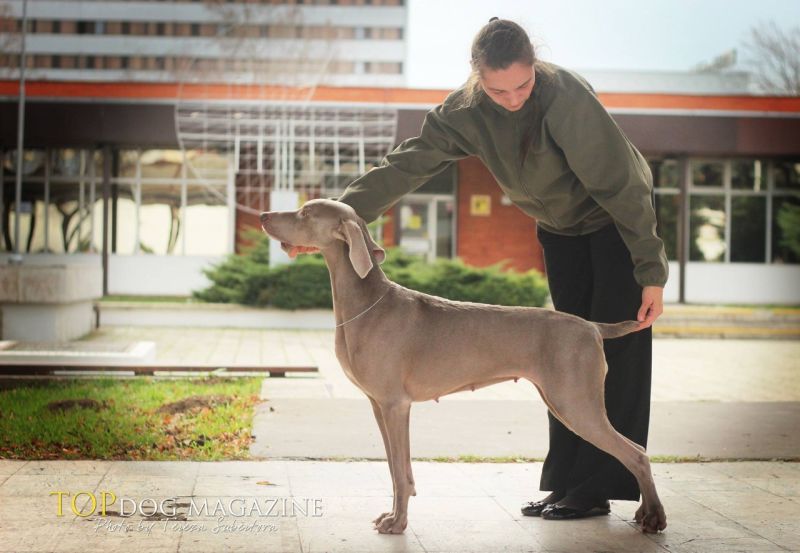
748	229
785	221
748	175
85	27
707	228
42	26
741	210
64	224
667	207
787	175
707	173
43	62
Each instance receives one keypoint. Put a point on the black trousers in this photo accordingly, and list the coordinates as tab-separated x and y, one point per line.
592	276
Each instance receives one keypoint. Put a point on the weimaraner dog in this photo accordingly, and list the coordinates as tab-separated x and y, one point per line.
399	346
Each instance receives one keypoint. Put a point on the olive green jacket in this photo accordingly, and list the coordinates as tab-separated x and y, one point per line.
579	174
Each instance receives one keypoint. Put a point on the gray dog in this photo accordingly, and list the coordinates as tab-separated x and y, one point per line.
399	346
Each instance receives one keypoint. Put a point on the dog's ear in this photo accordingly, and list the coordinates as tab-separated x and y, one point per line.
359	255
377	251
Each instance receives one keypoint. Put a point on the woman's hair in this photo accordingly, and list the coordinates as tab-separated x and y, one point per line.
499	44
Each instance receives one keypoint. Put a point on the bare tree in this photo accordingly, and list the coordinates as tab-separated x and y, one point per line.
722	62
775	58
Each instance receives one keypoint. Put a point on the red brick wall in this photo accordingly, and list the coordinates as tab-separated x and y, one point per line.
389	238
507	233
244	221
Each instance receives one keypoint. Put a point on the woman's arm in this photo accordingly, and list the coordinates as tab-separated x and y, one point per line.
614	173
409	166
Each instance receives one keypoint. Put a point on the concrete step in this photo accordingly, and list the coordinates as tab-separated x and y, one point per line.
687	321
695	321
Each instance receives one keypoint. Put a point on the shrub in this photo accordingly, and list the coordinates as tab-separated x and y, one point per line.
455	280
247	279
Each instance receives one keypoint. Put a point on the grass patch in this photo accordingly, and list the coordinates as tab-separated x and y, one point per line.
663	459
204	419
480	459
151	299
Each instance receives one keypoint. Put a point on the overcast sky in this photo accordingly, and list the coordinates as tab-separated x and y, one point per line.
587	34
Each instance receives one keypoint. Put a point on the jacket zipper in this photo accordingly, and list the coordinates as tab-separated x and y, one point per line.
518	166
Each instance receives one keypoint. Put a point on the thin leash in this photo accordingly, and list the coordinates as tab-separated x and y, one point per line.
367	309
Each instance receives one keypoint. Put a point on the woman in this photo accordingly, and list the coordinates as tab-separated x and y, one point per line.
558	156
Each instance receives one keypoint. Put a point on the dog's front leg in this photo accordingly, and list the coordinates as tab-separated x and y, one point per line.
395	419
376	410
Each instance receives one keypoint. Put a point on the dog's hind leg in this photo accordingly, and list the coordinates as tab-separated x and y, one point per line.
581	407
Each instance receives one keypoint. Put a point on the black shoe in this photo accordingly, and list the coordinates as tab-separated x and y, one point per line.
557	512
534	508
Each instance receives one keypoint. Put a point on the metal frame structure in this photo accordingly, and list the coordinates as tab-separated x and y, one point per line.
314	149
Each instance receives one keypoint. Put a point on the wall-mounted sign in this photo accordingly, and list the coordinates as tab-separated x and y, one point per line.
480	205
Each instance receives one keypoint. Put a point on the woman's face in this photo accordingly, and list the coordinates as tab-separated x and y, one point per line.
509	87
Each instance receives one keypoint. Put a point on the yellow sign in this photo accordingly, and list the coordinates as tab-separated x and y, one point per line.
480	205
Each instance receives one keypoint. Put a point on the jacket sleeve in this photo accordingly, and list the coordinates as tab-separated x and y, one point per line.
408	167
614	173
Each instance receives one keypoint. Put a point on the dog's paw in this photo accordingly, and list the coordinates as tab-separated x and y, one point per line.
651	519
391	523
378	520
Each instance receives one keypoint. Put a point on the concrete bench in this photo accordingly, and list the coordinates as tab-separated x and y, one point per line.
49	303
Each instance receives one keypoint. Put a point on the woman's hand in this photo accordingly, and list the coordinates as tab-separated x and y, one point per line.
652	305
295	250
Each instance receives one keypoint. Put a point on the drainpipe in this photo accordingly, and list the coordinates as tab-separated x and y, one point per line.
20	132
683	226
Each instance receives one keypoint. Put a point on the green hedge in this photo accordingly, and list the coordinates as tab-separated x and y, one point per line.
247	279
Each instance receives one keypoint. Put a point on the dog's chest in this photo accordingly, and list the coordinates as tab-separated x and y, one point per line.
344	358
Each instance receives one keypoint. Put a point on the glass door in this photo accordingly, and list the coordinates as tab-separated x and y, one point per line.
427	225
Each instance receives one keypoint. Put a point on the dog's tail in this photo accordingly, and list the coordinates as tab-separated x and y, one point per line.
616	330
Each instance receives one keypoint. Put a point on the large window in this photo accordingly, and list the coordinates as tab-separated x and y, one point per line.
55	208
158	203
168	208
739	209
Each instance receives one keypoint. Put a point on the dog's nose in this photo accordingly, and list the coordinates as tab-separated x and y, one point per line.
264	217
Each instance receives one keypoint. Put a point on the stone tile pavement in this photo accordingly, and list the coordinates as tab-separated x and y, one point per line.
730	507
737	507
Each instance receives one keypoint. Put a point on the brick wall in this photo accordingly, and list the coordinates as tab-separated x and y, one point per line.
507	233
245	221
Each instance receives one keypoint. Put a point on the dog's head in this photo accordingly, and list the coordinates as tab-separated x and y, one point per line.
322	224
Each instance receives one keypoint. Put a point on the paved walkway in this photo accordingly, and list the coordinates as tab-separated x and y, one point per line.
683	369
712	399
701	388
730	507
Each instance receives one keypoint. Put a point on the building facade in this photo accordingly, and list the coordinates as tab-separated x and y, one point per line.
156	176
723	167
330	42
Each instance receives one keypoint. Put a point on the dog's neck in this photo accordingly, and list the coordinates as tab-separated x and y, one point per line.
351	293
